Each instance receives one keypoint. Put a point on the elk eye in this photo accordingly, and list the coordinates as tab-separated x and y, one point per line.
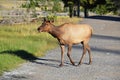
46	24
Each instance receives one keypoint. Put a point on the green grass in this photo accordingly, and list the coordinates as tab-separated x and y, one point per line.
22	42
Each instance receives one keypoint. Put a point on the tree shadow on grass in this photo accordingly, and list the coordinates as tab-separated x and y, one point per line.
30	57
21	53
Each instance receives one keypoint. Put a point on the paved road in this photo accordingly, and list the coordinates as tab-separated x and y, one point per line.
105	45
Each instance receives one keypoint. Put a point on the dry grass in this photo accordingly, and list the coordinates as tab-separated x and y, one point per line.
61	20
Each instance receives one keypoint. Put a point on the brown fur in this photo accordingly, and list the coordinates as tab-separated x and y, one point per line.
69	34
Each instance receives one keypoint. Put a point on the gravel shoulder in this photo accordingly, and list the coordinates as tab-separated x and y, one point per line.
105	46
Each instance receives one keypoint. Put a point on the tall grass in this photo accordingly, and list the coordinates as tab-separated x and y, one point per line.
22	42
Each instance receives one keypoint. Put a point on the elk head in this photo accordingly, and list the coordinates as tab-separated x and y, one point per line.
46	26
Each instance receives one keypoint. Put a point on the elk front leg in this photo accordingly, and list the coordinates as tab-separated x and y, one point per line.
62	55
68	54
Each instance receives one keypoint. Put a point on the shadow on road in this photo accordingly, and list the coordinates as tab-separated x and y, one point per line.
102	49
20	53
47	62
105	37
111	18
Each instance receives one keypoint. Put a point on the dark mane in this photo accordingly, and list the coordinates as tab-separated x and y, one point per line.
63	24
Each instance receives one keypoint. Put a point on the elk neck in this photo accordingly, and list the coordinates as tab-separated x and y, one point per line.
55	31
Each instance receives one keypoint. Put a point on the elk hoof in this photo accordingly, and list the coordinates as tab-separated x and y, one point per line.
90	63
61	65
73	64
79	63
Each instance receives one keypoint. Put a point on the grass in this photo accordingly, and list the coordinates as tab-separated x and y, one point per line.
21	42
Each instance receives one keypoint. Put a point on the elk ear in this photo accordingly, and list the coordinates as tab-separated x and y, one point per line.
44	20
52	21
47	21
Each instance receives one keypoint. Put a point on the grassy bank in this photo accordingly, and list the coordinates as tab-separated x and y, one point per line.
21	42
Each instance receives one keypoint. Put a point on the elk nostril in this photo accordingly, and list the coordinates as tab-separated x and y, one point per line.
38	29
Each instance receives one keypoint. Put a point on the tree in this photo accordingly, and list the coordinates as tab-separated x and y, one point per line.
71	4
117	5
110	6
31	5
78	8
56	6
86	4
89	4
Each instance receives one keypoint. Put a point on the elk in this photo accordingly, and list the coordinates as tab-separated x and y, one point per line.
69	34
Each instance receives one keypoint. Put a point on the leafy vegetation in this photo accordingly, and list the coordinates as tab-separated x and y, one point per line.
86	4
56	6
98	6
110	6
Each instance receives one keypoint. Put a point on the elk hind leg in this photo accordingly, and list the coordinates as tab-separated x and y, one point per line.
84	51
89	52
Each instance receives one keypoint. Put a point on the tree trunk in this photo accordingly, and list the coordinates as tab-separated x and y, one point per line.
85	12
78	9
74	12
70	11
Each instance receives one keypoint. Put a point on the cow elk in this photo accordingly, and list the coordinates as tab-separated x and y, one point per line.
69	34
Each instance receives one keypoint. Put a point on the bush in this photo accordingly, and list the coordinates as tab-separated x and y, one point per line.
51	17
110	6
57	6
